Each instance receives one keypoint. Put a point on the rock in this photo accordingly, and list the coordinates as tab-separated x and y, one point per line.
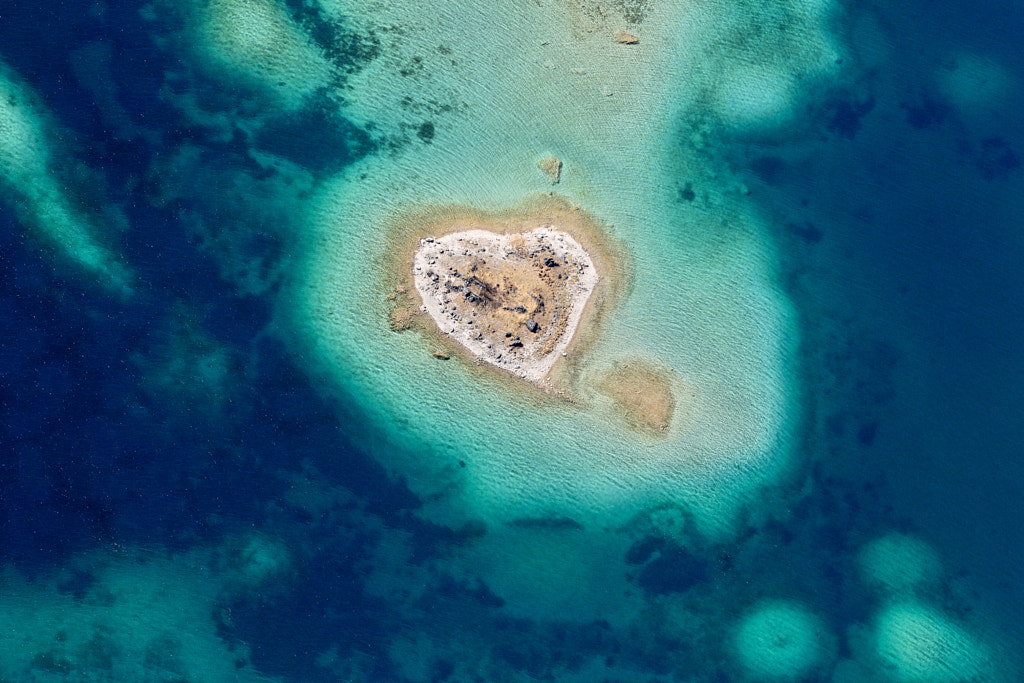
532	325
552	166
625	37
400	318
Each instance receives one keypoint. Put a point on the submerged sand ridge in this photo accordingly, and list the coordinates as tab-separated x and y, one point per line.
514	300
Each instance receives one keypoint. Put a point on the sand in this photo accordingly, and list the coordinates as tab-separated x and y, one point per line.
514	300
643	395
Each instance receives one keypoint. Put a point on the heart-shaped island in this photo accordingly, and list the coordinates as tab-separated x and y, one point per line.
514	300
523	291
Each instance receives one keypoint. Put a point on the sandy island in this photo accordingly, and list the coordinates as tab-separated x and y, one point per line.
514	300
523	292
544	274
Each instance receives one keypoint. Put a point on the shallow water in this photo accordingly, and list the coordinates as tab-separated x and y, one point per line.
203	403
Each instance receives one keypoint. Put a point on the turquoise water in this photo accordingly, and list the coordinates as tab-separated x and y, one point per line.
703	302
224	464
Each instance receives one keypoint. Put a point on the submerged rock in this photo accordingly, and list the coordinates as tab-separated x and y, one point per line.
552	166
625	37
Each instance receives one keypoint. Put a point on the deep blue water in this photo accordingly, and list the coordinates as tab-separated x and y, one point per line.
103	444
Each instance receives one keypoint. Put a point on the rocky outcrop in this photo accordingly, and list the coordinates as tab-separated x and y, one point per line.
514	300
625	37
552	166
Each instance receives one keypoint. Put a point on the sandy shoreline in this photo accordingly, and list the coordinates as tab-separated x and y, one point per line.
514	300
